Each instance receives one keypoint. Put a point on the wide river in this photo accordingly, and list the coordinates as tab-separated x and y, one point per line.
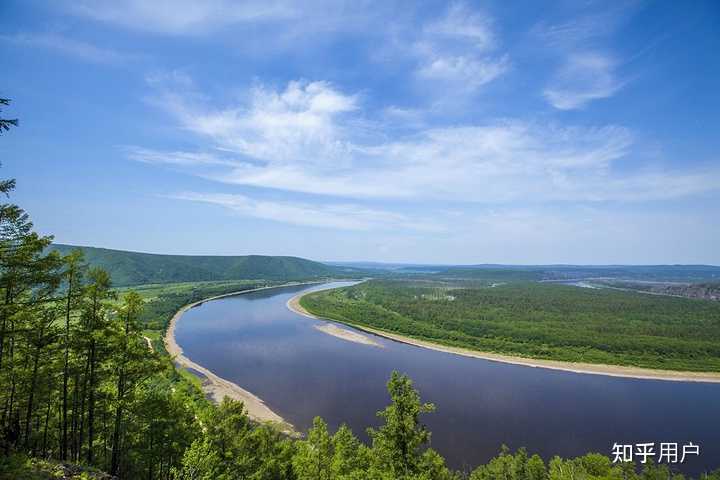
255	341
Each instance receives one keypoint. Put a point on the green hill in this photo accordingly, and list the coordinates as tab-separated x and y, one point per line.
133	268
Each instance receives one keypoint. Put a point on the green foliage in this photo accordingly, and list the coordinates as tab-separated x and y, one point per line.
314	457
537	320
396	444
231	447
163	301
134	268
350	457
492	274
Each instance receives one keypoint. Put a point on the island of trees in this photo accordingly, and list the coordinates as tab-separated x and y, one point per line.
536	320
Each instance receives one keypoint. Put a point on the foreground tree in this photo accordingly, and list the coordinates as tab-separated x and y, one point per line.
314	458
397	445
134	364
72	276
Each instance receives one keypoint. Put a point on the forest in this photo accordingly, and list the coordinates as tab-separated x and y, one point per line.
536	320
133	268
83	396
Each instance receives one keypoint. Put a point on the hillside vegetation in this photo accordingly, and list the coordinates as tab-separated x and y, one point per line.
133	268
537	320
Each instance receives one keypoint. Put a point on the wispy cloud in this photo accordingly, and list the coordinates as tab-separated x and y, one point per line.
71	47
588	69
458	50
583	78
466	71
303	121
178	158
301	139
585	24
338	216
182	16
462	24
262	25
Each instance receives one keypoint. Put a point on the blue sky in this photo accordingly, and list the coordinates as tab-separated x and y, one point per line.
429	132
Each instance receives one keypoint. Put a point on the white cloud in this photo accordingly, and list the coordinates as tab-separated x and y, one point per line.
463	24
179	158
337	216
577	31
588	69
456	53
470	72
182	16
255	27
299	122
303	139
586	23
583	78
74	48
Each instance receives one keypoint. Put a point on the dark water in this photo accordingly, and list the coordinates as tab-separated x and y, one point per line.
256	342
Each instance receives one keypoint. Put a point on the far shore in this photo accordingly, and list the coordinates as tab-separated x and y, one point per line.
217	387
585	368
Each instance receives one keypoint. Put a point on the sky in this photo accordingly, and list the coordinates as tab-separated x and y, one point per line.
584	132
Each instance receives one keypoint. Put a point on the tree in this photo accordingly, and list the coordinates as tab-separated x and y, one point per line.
397	444
73	294
94	316
350	457
6	123
201	462
40	333
314	457
134	364
28	282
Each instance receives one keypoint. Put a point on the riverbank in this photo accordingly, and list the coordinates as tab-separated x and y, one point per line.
330	328
584	368
215	387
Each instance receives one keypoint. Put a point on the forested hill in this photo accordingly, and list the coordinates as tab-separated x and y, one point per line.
133	268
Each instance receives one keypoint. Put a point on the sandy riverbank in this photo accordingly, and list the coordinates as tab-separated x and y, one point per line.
586	368
345	334
330	328
217	387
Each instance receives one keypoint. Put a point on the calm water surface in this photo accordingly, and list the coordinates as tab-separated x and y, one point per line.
256	342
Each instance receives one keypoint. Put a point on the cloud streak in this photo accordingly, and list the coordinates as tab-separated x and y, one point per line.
588	70
304	139
336	216
179	17
71	47
583	78
457	50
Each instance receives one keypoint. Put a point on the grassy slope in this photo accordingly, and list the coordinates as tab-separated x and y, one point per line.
133	268
538	321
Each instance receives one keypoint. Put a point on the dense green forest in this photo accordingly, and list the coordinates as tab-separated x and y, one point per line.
82	394
537	320
133	268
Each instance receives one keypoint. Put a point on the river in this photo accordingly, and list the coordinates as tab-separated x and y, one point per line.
255	341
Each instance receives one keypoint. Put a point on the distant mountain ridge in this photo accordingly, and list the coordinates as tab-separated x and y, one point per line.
135	268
